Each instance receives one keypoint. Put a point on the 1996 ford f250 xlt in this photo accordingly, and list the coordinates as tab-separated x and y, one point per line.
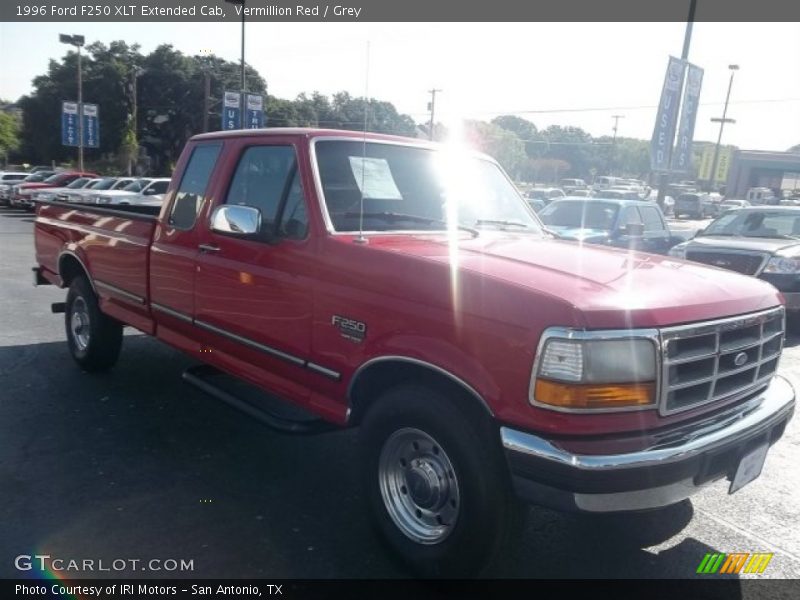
407	289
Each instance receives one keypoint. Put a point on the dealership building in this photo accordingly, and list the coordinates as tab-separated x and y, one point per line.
756	168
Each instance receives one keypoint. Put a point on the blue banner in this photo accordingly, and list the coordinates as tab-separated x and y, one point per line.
91	126
232	111
682	157
69	123
255	111
667	116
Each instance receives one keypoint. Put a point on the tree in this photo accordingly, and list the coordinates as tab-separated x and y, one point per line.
795	148
9	133
501	144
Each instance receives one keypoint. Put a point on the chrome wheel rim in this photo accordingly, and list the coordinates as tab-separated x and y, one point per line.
419	486
79	324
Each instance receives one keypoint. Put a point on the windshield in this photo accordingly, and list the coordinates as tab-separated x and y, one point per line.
580	215
410	188
36	177
57	178
761	224
78	183
104	184
136	186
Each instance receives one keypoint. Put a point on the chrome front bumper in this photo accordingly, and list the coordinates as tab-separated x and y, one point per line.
677	464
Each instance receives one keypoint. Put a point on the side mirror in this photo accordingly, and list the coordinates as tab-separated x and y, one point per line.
236	219
634	229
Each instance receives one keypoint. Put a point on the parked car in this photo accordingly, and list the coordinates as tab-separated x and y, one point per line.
22	193
726	205
618	194
482	359
759	240
584	193
631	224
104	184
53	193
536	204
762	195
142	192
696	205
545	194
7	180
605	182
570	186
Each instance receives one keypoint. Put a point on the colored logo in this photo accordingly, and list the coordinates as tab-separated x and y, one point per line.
735	563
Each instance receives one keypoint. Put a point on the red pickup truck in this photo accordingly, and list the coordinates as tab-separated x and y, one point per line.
408	289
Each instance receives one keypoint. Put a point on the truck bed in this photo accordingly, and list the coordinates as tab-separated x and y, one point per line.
111	243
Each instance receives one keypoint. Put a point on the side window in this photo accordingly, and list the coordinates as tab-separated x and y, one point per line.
631	215
192	189
652	218
266	178
294	220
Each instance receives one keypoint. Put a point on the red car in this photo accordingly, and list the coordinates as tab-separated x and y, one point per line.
408	289
21	194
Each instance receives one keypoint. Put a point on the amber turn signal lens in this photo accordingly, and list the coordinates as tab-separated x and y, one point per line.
623	395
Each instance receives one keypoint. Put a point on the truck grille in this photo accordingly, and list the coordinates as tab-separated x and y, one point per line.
710	361
748	263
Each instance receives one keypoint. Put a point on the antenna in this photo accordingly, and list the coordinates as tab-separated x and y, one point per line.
361	239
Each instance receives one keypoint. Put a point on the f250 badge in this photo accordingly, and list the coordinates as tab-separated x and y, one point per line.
354	331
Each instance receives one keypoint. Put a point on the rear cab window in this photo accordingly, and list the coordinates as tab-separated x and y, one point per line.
191	192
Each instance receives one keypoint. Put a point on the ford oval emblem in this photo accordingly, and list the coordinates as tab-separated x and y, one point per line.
740	359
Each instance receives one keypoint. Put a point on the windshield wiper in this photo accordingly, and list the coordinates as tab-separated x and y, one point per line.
393	216
502	223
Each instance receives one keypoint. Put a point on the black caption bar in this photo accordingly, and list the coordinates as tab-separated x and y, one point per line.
395	10
110	589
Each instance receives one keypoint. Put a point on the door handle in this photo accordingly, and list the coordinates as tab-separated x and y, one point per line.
208	248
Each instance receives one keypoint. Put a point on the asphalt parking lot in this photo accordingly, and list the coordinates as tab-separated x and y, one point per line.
134	464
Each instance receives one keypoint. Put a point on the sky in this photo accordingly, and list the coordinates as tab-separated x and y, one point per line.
549	73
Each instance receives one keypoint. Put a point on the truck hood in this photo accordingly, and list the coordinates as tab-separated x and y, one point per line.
609	287
714	242
578	233
116	193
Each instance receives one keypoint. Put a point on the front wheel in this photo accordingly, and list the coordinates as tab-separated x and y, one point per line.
437	483
94	339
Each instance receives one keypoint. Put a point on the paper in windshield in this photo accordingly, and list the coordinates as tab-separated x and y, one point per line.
374	178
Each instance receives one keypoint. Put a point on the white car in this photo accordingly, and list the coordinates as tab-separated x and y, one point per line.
8	179
143	192
60	193
104	184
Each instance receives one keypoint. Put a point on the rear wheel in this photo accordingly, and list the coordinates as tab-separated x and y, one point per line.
94	339
437	483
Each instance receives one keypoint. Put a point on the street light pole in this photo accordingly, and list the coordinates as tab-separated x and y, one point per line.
77	41
432	109
244	80
722	121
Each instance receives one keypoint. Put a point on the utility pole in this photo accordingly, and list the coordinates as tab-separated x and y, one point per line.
206	98
244	82
722	121
77	41
614	143
432	109
687	40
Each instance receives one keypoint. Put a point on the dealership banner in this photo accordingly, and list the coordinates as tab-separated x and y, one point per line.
667	116
255	111
232	111
69	123
682	156
91	126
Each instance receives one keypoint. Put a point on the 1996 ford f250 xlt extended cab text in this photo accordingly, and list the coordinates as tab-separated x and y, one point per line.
406	288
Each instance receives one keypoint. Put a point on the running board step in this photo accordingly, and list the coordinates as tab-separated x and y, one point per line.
202	376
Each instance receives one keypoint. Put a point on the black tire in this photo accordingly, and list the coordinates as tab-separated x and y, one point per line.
486	519
95	339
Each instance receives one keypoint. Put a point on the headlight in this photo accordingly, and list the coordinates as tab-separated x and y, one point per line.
678	251
102	200
585	371
783	265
